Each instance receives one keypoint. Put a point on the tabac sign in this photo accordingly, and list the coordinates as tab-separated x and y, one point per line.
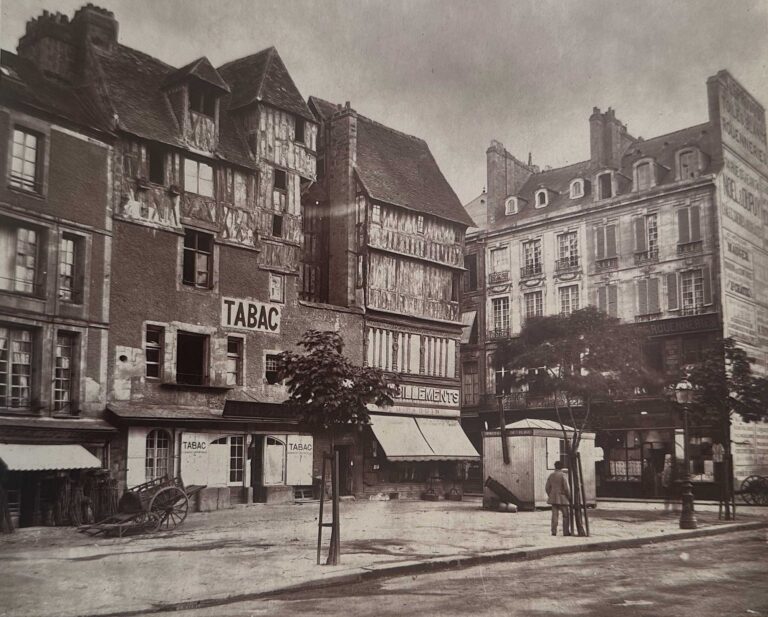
250	315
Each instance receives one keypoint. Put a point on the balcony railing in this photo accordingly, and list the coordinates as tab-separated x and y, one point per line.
698	309
498	277
527	400
497	333
567	264
645	257
609	263
529	271
649	316
690	247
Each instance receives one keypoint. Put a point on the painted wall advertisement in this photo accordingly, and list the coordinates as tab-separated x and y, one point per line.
743	212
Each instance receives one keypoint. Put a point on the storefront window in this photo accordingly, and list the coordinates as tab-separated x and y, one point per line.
236	458
158	454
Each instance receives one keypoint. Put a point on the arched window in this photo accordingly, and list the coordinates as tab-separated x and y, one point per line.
510	206
542	198
158	455
687	164
577	188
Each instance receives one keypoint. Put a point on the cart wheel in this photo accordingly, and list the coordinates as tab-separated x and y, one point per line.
761	492
147	521
750	488
170	505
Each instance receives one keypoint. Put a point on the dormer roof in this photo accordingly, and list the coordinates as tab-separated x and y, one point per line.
263	78
201	69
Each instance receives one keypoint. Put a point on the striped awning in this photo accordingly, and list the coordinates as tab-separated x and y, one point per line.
32	457
406	438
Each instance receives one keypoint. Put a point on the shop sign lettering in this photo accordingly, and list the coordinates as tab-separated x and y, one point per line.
250	315
441	396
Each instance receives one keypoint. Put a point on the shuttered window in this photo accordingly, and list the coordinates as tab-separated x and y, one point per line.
605	241
648	296
688	225
607	300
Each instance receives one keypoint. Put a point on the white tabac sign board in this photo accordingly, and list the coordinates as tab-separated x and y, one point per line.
194	458
250	315
298	467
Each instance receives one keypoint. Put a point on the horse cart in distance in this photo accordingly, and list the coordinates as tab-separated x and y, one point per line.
160	504
754	490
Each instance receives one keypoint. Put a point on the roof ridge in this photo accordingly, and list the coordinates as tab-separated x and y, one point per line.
270	56
544	171
389	128
226	65
138	53
687	128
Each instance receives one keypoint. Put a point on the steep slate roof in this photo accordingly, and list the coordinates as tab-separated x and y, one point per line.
399	169
478	211
203	70
27	86
262	77
662	149
135	85
324	109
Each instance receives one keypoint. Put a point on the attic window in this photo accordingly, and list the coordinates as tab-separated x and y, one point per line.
577	188
605	185
542	198
643	176
299	132
510	206
201	100
687	164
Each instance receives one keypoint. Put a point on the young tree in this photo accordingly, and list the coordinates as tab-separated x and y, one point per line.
330	392
724	384
583	361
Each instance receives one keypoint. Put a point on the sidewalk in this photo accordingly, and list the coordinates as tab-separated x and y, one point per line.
248	551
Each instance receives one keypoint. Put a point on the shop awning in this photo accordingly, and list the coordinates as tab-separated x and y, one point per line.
467	323
26	457
422	439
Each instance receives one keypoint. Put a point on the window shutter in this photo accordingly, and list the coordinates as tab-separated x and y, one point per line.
600	236
642	297
601	299
706	285
610	241
682	226
653	295
640	245
613	300
695	224
672	291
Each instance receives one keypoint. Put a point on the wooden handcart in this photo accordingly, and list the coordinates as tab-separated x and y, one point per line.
160	504
754	490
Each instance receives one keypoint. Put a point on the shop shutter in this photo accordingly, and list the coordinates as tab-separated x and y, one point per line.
640	245
672	303
695	224
706	285
683	236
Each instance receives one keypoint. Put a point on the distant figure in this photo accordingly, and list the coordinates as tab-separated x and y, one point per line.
559	496
667	482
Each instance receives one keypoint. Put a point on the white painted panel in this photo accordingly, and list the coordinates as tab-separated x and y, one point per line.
136	455
298	466
194	458
274	460
218	464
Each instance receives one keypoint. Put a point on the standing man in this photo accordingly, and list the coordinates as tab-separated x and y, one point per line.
559	496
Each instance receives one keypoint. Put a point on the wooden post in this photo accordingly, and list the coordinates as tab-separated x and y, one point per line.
503	431
333	553
320	520
583	493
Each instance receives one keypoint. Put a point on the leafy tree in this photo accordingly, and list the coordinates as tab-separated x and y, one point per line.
583	361
326	388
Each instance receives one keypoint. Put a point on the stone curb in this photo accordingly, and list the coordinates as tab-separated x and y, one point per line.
436	565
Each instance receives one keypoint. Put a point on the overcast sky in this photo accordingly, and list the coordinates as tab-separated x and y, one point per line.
460	73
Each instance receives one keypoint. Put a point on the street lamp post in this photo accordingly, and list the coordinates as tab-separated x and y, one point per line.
684	395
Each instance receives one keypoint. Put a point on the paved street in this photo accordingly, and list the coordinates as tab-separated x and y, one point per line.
237	554
705	577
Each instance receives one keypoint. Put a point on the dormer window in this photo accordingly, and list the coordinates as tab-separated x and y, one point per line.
202	100
542	198
605	185
577	188
511	206
688	164
644	175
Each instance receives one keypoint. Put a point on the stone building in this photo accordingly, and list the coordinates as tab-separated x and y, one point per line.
668	234
393	233
55	251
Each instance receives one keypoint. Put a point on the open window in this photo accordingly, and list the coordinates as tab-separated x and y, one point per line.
191	358
605	185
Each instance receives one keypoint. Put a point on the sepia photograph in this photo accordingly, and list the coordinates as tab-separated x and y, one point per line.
383	308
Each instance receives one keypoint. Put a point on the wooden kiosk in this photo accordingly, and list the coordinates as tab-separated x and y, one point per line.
534	446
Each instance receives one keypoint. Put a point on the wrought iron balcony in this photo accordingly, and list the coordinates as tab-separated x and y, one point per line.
649	316
529	271
567	264
609	263
696	309
528	400
498	333
498	277
645	257
690	247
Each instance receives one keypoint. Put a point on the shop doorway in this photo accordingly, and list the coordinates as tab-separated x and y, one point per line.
345	469
653	453
257	469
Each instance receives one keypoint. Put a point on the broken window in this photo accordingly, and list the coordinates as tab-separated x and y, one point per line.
605	186
277	225
191	358
270	369
281	180
276	287
234	361
202	100
153	345
198	259
18	265
300	126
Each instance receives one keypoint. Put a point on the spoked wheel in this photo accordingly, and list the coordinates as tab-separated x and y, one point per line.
750	489
170	505
147	521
